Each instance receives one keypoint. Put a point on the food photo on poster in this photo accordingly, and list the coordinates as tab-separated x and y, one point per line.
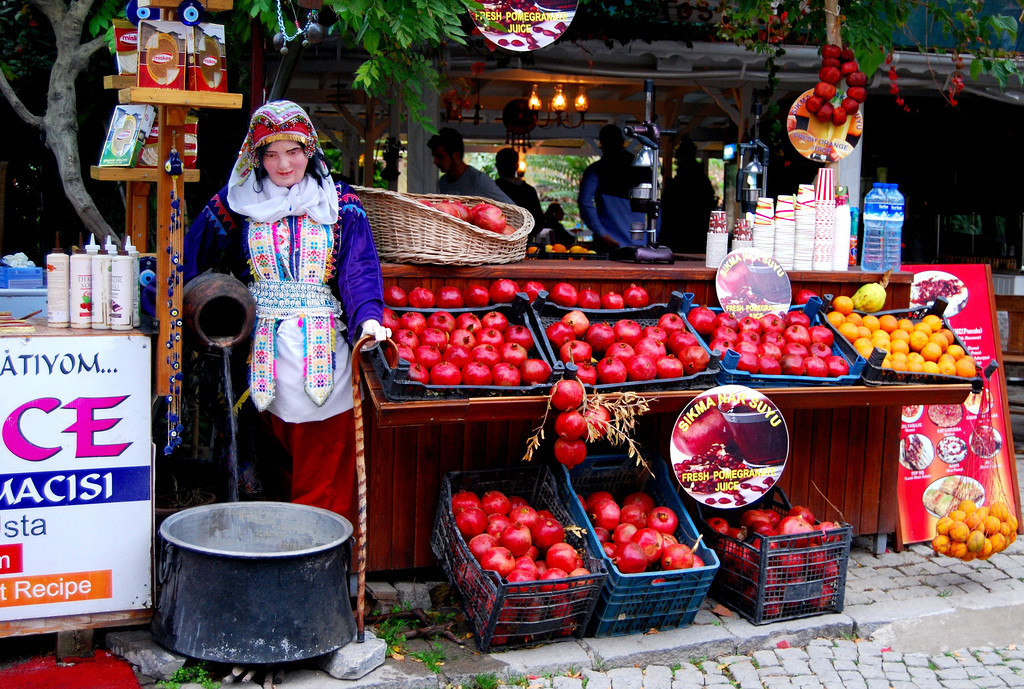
750	282
522	25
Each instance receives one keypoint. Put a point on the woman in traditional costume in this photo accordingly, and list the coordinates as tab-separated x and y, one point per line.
303	243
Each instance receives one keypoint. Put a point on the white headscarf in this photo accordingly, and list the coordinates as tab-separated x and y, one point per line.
312	195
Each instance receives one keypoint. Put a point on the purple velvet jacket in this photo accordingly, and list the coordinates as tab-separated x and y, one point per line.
215	238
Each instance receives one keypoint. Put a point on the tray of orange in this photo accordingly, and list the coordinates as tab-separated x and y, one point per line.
901	347
561	251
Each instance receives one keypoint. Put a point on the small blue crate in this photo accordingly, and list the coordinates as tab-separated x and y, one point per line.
21	278
730	375
636	603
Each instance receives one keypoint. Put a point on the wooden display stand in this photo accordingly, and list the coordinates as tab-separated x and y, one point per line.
845	440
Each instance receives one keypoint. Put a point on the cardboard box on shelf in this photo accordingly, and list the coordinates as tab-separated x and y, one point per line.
126	135
162	50
207	59
126	43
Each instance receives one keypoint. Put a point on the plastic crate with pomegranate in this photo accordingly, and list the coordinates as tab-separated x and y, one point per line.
774	578
636	603
505	614
546	313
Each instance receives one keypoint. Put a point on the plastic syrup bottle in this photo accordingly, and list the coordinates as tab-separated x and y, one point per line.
58	275
81	284
101	287
894	229
122	276
876	214
133	254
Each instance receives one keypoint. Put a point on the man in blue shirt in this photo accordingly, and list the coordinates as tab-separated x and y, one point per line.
604	193
460	178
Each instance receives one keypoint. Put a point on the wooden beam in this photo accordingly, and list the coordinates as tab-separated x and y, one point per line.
137	214
722	104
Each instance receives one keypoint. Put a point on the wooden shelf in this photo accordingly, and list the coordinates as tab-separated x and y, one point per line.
119	81
135	174
191	99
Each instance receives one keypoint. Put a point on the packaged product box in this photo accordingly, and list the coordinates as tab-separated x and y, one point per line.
126	135
207	59
126	44
151	151
163	46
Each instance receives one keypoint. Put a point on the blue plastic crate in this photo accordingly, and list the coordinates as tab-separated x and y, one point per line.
21	278
545	313
636	603
730	375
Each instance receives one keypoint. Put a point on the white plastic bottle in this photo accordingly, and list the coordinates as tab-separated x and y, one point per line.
101	287
58	275
876	214
894	229
133	254
121	293
81	285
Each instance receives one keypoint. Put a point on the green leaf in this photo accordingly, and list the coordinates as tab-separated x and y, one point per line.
976	68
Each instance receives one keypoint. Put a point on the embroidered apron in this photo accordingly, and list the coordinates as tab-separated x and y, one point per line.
291	262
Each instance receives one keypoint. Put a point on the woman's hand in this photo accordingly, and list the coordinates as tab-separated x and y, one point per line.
373	327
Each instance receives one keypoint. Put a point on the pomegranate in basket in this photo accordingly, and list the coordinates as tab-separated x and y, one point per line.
488	217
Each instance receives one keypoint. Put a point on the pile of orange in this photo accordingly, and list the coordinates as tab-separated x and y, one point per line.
923	346
970	532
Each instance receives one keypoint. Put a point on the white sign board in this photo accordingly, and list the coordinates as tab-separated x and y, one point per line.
75	475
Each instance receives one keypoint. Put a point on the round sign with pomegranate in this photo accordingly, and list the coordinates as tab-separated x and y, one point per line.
752	283
729	446
524	25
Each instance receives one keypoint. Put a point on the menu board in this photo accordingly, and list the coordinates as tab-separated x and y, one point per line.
950	452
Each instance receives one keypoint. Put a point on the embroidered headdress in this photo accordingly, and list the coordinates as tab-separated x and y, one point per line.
279	120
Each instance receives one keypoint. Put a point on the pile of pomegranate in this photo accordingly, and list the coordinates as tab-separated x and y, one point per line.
564	294
466	350
627	351
484	215
772	345
636	534
520	543
792	560
829	103
475	296
574	421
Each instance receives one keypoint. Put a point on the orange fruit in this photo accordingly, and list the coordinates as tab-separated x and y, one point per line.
880	343
999	510
955	351
948	334
975	542
946	368
886	363
843	305
973	520
968	556
899	347
899	335
966	368
930	367
940	544
918	340
958	549
959	532
916	367
957	515
967	507
931	352
991	525
558	248
854	318
986	550
888	322
998	542
923	327
914	356
871	322
1013	522
863	331
939	340
849	331
899	366
898	356
905	324
943	526
835	318
933	321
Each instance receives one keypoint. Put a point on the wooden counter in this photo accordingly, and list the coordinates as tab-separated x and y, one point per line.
845	440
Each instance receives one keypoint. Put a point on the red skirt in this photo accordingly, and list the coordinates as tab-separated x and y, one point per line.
323	470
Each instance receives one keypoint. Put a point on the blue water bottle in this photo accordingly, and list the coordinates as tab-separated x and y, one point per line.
894	229
876	215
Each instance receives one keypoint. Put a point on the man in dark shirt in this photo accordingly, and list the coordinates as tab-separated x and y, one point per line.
506	162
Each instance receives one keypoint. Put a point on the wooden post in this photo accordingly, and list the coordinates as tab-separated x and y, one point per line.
172	129
137	214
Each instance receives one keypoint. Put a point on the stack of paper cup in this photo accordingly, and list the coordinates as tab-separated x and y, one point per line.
718	240
764	225
824	218
742	234
841	245
785	230
803	245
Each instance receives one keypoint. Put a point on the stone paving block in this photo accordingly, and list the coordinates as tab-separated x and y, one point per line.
989	682
821	666
871	671
767	658
921	672
853	679
658	677
554	658
795	666
1013	680
382	592
791	653
667	648
561	682
139	649
596	680
891	666
819	651
716	681
685	678
772	671
917	660
807	682
844	665
392	674
975	672
959	684
710	667
354	660
951	673
944	662
874	683
626	678
414	594
683	684
845	653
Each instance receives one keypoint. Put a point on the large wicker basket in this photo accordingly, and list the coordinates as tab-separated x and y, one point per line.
407	231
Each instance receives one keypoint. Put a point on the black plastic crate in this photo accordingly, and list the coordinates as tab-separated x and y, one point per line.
515	614
545	313
874	374
775	578
728	374
636	603
398	388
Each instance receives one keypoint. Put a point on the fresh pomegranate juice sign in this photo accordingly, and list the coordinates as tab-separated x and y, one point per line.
729	446
522	25
822	142
949	452
75	508
752	283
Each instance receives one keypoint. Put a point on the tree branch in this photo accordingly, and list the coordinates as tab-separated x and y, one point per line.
54	10
17	105
86	50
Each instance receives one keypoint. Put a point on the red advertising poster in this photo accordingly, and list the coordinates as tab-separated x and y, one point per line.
522	25
950	452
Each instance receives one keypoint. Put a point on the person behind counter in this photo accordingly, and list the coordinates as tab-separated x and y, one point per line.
687	201
301	241
459	177
604	193
506	162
